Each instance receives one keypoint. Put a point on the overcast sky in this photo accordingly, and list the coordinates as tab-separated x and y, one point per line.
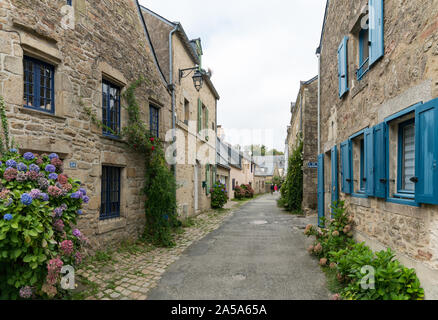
259	52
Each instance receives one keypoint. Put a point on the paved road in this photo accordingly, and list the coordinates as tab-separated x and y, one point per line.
259	253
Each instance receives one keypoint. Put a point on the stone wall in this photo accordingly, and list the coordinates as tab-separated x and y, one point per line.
106	41
304	121
406	75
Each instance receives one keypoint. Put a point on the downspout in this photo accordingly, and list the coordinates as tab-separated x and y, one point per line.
318	55
172	84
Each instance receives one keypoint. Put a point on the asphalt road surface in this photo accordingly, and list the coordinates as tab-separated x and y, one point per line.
257	254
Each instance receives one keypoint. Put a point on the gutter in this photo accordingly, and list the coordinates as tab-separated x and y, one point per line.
145	29
319	103
172	84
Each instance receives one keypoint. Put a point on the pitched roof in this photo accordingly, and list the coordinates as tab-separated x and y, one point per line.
318	50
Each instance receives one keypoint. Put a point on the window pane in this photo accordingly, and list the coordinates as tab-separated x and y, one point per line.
408	157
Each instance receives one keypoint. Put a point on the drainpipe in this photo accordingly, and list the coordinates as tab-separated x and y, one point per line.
171	82
318	55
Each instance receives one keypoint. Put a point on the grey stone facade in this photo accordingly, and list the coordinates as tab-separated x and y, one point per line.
406	75
304	122
104	40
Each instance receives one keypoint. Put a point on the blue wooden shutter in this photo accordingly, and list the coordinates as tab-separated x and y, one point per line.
375	30
335	188
342	67
199	115
426	153
321	210
369	162
380	173
346	167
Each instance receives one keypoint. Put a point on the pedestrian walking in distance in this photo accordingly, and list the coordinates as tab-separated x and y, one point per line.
276	188
272	188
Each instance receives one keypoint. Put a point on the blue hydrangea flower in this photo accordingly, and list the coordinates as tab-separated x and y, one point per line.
86	199
53	156
53	176
34	167
8	217
76	195
13	150
83	191
58	212
29	156
50	168
11	163
26	199
22	167
44	196
79	212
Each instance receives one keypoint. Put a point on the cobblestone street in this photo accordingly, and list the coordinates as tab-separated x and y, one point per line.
130	272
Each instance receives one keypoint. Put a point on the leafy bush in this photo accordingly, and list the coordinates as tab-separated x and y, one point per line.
338	234
335	248
38	209
249	192
392	281
292	189
219	195
239	193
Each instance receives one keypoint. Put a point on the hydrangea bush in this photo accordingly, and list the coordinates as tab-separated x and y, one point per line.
219	195
336	249
39	206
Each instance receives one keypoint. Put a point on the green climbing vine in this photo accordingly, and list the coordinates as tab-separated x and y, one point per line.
5	144
292	189
159	182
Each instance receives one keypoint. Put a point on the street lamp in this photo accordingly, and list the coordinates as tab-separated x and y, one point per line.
197	77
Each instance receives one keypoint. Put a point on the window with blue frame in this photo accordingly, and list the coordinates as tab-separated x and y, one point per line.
401	158
358	163
39	85
110	193
154	120
110	108
362	165
363	53
406	157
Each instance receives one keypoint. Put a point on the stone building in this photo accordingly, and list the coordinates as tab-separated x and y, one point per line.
304	123
379	125
195	111
223	172
57	59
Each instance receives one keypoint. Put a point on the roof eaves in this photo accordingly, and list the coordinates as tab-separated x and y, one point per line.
318	50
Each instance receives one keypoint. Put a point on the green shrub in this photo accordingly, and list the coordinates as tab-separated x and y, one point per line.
248	190
239	193
38	210
335	248
392	281
338	234
292	189
219	195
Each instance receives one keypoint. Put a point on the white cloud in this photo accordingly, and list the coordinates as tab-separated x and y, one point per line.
259	52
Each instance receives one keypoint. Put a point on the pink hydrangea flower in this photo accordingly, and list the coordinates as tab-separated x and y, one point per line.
10	174
67	247
54	191
55	265
58	225
4	194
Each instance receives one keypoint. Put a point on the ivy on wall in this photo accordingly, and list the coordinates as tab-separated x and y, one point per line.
292	189
159	182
